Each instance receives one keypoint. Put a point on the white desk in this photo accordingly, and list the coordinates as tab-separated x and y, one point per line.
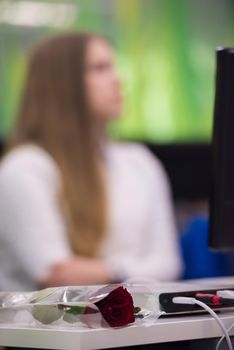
166	330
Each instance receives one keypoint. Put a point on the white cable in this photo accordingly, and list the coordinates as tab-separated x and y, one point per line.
222	338
228	294
187	300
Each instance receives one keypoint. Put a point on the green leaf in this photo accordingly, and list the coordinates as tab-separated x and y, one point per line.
137	309
75	310
46	314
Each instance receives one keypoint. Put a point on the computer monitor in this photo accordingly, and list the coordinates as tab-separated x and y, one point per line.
221	222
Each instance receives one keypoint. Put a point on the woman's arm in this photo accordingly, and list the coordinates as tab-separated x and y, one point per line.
77	271
156	255
32	229
162	252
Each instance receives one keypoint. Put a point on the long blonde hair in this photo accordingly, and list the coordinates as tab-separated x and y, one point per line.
54	114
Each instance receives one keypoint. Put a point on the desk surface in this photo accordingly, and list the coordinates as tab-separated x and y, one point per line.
165	330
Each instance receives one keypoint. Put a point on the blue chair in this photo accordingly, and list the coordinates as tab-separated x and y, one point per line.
199	261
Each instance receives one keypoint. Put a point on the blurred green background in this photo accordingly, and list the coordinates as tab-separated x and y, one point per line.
165	53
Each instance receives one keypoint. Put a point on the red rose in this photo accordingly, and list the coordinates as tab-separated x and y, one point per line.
117	308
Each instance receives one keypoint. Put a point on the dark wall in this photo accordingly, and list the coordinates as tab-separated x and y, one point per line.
1	147
188	167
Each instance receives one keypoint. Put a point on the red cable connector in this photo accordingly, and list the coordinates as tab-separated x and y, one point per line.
209	299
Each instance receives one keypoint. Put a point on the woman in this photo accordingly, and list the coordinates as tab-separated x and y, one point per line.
74	207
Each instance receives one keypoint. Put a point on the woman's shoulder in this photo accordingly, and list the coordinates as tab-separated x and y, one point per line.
27	159
140	160
138	153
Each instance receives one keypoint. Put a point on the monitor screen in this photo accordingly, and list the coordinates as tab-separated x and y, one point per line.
221	227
